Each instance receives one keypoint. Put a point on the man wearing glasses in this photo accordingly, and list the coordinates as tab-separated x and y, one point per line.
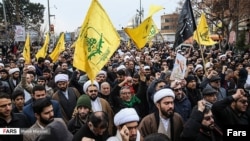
182	105
233	110
201	125
97	103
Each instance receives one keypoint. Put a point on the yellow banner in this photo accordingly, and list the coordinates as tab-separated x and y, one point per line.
97	41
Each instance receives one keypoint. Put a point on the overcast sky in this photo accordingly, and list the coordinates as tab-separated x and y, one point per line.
70	14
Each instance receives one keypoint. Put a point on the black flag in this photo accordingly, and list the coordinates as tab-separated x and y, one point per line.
186	24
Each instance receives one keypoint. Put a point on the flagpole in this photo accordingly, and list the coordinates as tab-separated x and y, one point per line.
202	56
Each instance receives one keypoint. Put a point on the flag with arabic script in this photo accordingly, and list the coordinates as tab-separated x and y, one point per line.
186	24
97	41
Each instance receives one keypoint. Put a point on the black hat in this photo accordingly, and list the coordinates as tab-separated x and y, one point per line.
190	78
214	78
208	91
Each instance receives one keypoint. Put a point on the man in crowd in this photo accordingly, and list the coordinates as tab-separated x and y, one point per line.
98	104
201	125
182	105
83	107
165	120
96	127
10	119
66	96
18	101
126	121
44	114
39	92
235	108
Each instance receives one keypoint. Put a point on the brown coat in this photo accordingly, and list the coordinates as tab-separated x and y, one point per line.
107	108
56	97
150	124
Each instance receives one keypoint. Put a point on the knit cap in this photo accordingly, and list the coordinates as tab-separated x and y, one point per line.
84	100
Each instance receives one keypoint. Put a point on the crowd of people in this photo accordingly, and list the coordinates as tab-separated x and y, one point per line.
133	97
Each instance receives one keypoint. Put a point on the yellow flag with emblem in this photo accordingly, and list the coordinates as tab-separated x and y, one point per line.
97	41
26	50
42	52
60	47
143	33
146	30
201	35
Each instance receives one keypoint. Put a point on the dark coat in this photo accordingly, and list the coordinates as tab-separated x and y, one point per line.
28	111
194	131
18	120
84	131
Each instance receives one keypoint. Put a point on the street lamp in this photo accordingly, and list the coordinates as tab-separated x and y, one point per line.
49	16
140	13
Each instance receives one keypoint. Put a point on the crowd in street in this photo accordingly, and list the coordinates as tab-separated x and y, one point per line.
133	97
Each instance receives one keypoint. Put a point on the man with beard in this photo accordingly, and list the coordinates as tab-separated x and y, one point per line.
10	119
39	92
182	104
83	107
44	114
233	110
66	96
97	103
165	120
95	129
126	121
191	90
201	126
14	78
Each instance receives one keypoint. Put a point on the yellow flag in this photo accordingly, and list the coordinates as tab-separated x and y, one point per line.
26	50
153	9
201	35
143	33
60	47
43	51
97	41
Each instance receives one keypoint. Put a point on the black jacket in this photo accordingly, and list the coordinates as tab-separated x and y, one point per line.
194	131
18	121
84	131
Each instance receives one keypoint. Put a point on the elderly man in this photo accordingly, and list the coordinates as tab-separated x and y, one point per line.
97	103
66	96
126	121
165	120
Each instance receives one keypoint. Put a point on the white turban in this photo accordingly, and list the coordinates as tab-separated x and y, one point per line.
126	115
163	93
31	67
198	66
88	83
11	71
120	67
223	55
102	72
1	64
61	77
46	61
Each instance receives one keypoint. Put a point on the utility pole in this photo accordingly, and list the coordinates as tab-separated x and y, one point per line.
49	15
4	14
140	12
